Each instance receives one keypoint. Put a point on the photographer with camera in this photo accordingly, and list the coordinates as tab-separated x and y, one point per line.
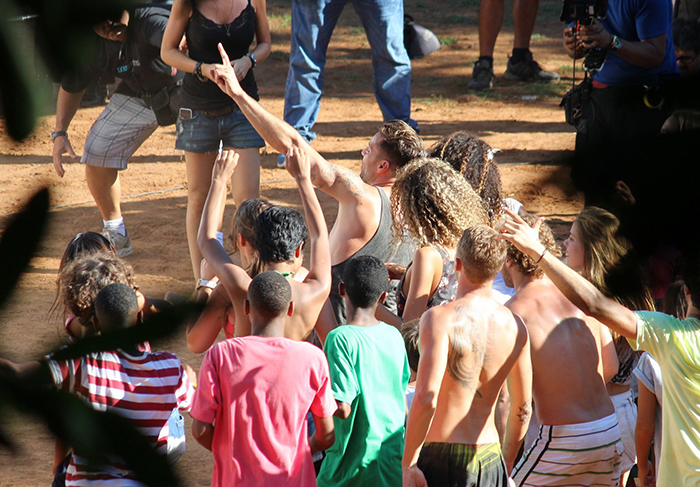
622	101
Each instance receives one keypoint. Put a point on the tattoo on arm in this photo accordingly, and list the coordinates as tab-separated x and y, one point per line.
466	357
332	172
525	412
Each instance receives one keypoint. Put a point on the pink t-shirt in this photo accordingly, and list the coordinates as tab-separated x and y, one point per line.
257	392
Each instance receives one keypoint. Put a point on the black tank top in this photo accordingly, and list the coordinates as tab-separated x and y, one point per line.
203	36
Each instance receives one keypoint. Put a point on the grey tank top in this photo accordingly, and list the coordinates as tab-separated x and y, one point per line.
378	246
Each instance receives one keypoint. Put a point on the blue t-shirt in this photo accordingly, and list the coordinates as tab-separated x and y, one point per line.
634	20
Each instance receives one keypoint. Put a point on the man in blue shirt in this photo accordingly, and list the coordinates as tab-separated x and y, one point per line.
621	104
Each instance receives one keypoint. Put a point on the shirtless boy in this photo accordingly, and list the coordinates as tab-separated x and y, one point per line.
363	225
572	358
469	348
311	294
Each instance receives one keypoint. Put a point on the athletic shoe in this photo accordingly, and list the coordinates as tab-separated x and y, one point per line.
528	70
482	76
281	161
121	243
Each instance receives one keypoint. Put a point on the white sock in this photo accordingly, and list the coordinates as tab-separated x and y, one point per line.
115	225
220	237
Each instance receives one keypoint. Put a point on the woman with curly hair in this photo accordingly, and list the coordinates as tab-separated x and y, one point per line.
596	249
434	204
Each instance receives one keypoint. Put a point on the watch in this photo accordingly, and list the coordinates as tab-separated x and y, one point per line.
198	72
252	58
211	284
615	43
59	133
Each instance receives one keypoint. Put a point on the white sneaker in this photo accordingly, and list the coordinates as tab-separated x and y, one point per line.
121	243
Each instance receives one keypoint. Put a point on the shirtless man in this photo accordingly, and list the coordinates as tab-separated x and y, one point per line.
312	293
363	224
469	348
573	356
672	341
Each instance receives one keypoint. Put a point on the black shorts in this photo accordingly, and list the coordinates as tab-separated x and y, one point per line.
459	465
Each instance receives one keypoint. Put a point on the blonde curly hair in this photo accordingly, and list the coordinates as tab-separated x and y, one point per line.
434	203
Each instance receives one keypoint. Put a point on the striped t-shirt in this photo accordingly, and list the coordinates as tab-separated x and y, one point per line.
143	388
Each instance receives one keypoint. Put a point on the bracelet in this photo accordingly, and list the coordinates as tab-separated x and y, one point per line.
211	284
251	56
541	256
198	72
59	133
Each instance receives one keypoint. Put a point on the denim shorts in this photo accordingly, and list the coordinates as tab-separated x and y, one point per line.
202	134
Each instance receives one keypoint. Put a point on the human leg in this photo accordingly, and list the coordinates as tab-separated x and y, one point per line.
199	167
490	21
117	133
383	22
245	181
313	22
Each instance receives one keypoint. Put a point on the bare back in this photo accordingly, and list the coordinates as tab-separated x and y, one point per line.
484	344
571	354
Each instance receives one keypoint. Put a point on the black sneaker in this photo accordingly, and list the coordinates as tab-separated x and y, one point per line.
482	76
528	70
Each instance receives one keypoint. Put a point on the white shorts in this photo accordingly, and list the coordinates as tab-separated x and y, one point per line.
626	412
118	132
574	454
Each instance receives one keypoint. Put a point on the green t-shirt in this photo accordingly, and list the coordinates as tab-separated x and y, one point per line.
369	371
675	344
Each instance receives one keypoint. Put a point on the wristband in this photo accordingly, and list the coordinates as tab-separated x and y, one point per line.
252	59
541	256
198	72
211	284
59	133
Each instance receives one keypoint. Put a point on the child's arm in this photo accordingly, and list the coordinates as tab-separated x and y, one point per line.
202	333
644	432
203	433
325	434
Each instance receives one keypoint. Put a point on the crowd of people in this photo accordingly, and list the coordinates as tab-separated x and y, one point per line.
437	335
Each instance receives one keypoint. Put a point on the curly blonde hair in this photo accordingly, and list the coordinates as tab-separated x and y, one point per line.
86	276
434	203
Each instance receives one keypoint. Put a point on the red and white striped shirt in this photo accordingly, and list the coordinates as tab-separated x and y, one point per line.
143	388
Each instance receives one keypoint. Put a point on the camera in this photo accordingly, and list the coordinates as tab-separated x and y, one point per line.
582	12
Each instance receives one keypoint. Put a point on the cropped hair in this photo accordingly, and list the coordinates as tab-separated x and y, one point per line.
686	34
365	278
409	332
244	224
401	143
86	276
433	203
278	233
522	261
482	254
473	159
116	307
269	293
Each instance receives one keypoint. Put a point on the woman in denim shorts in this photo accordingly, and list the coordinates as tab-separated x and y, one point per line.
209	119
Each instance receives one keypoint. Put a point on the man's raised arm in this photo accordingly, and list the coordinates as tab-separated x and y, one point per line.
582	293
339	182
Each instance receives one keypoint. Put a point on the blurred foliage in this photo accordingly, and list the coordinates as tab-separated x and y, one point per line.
40	39
94	435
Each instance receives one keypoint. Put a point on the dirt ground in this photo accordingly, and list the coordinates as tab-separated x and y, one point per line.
524	121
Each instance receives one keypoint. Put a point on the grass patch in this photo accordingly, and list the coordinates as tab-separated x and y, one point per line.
439	100
279	21
356	30
538	37
555	89
456	19
447	41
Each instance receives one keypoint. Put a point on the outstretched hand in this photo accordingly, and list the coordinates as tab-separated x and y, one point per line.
225	164
298	163
225	77
526	238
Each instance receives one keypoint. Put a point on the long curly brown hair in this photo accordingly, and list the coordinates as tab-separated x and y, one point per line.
86	276
522	261
434	203
473	159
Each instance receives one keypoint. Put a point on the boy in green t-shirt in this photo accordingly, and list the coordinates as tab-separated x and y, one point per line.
369	373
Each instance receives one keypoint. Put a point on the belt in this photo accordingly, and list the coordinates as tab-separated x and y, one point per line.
220	111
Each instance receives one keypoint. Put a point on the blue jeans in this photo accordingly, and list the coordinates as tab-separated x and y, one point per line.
312	26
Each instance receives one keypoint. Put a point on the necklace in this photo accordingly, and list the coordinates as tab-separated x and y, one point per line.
227	25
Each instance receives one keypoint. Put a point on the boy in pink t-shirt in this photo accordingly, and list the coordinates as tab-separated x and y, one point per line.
254	393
